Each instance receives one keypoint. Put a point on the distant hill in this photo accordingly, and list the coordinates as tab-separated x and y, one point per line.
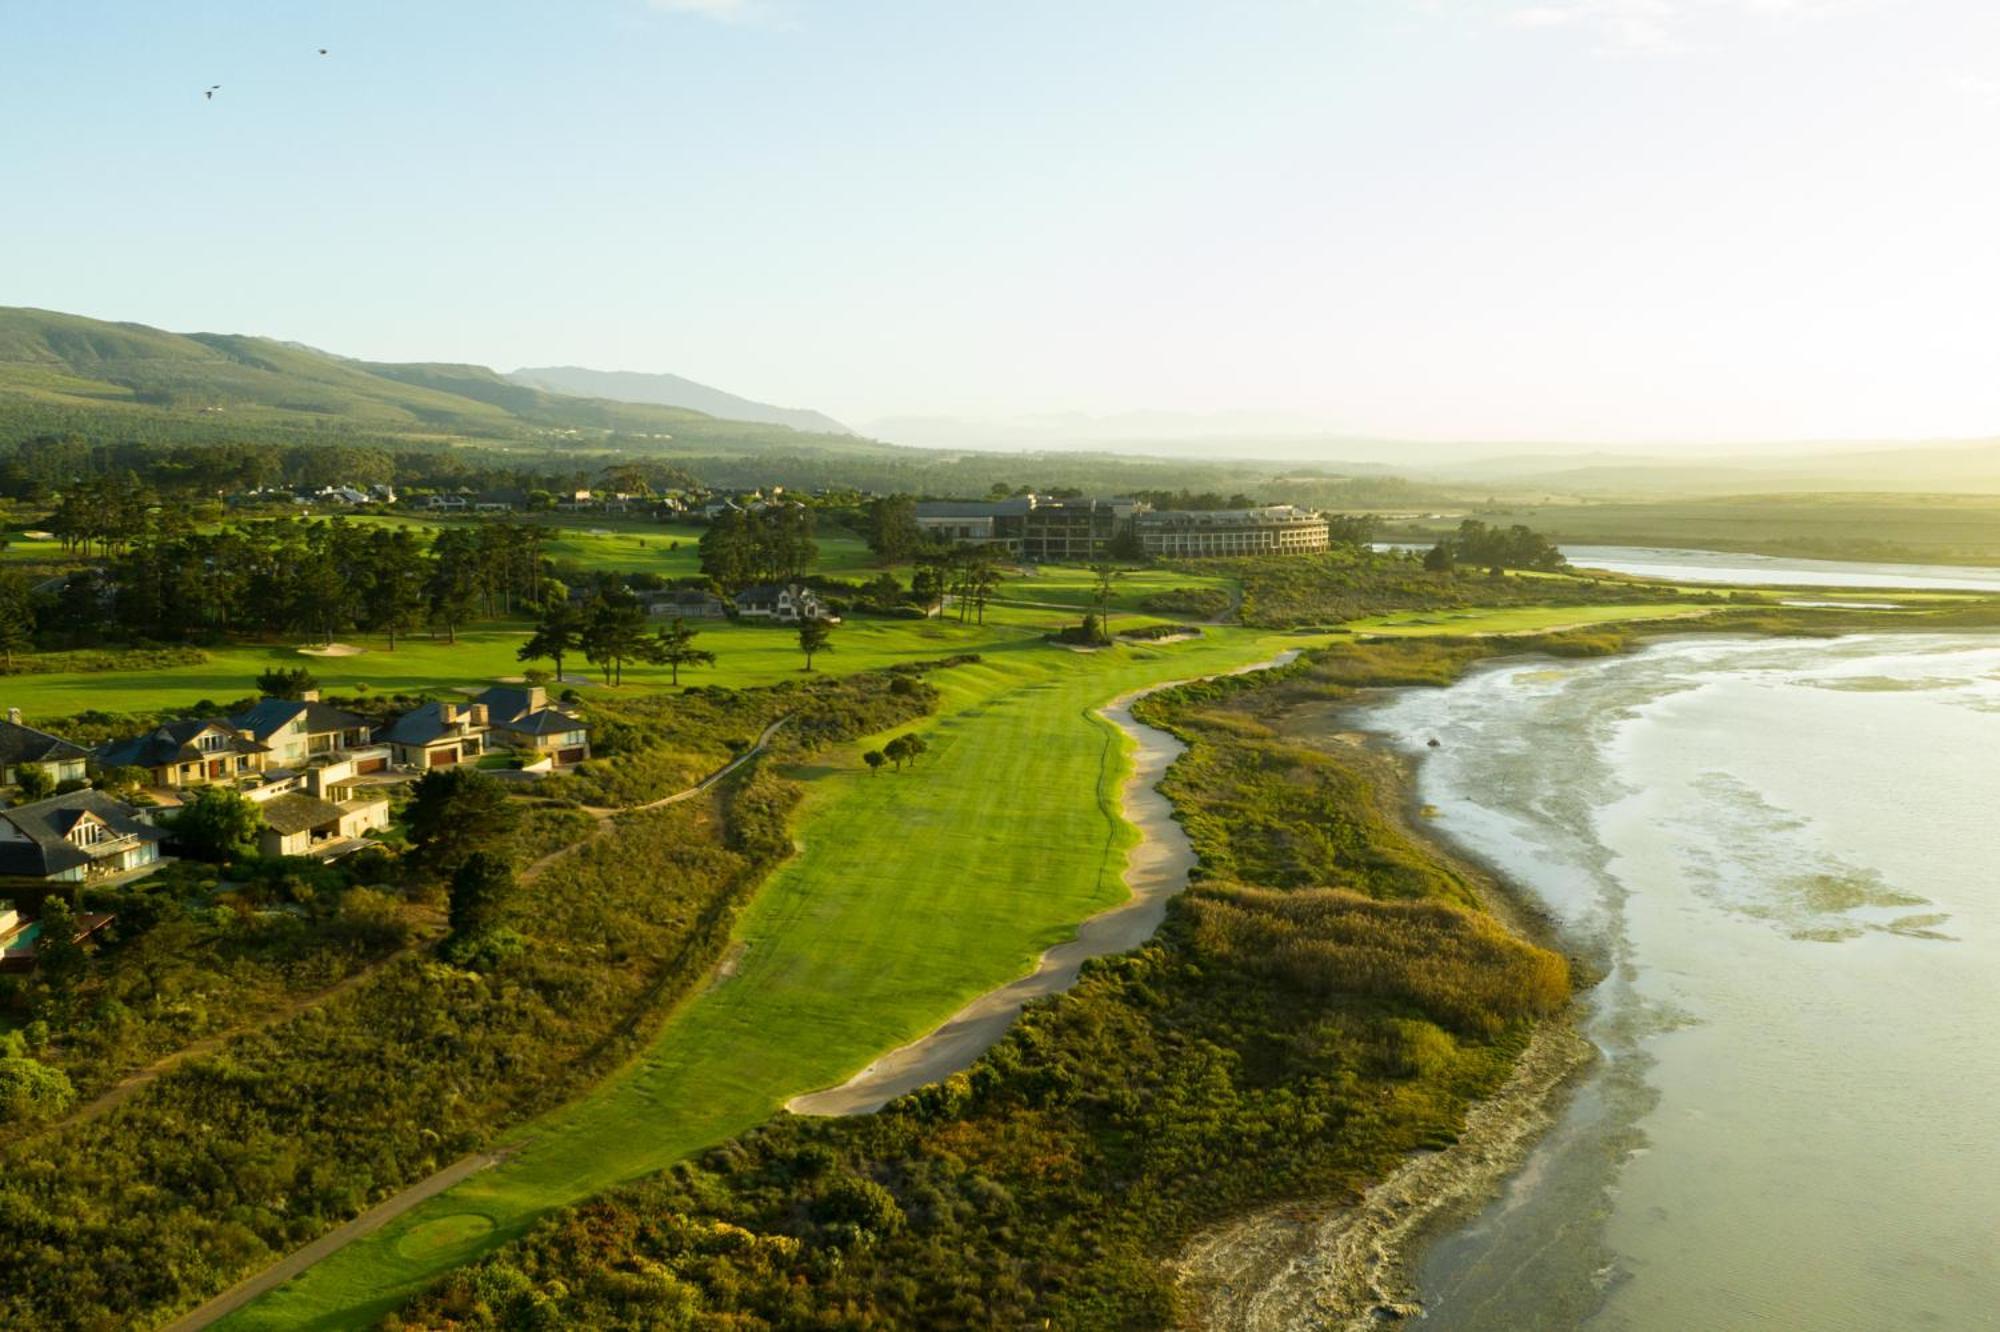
673	391
61	369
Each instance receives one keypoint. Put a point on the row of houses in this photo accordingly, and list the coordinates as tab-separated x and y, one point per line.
318	775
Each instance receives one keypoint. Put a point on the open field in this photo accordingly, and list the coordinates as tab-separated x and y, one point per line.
1070	585
869	938
1939	529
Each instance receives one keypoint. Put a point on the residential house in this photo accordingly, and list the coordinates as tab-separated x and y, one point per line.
785	603
75	838
188	753
324	811
18	936
25	747
522	719
294	730
448	503
437	735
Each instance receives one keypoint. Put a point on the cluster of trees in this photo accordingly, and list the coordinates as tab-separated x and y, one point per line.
1514	547
902	749
611	631
153	459
288	575
769	545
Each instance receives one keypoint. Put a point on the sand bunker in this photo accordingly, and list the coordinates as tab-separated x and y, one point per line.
332	650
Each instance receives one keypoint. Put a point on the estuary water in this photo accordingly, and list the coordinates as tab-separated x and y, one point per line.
1736	570
1786	857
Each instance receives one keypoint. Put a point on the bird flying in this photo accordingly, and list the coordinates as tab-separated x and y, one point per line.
322	50
208	94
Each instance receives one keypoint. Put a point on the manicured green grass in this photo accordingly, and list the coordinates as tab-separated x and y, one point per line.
913	893
747	655
1070	585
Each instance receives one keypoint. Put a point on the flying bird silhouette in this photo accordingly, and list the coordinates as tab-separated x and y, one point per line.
208	94
322	50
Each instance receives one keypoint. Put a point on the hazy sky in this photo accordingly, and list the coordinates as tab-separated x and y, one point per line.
1608	219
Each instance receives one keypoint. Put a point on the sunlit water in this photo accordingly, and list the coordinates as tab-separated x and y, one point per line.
1722	567
1787	855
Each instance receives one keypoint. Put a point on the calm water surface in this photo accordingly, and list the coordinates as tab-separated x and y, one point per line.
1788	855
1721	567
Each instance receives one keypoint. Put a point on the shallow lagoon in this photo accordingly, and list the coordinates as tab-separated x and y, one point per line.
1785	855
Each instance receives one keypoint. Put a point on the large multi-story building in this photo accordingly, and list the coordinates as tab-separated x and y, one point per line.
1196	534
1073	531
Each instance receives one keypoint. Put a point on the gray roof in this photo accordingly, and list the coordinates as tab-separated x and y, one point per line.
299	813
546	722
767	594
272	715
424	726
46	825
174	743
25	744
506	703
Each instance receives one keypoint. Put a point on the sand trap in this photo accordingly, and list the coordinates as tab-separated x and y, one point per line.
332	650
39	536
1157	869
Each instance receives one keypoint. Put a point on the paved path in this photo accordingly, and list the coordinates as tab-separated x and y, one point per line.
132	1083
1157	869
425	1189
229	1301
604	816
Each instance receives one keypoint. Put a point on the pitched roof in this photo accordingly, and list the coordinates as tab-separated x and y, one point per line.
47	823
767	594
423	726
174	743
506	703
272	715
548	721
25	744
295	813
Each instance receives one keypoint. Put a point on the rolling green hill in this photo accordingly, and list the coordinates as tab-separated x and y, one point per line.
57	366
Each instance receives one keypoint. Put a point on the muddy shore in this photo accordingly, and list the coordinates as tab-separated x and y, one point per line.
1351	1266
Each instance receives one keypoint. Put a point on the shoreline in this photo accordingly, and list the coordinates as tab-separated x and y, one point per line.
1351	1265
1158	867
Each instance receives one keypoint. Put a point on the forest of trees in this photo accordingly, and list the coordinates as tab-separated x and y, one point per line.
167	582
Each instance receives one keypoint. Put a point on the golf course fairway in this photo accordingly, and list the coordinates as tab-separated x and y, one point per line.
912	893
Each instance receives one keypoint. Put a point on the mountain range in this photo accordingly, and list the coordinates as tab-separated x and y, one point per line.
672	391
58	369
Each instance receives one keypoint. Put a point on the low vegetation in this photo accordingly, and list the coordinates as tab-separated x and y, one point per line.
543	987
1350	584
1315	1008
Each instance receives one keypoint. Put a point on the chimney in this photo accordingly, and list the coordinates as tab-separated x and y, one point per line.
478	711
309	696
14	716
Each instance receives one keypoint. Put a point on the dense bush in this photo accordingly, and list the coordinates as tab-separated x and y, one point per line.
232	1159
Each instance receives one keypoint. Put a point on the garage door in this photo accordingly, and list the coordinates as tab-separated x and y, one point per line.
443	758
570	756
372	765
